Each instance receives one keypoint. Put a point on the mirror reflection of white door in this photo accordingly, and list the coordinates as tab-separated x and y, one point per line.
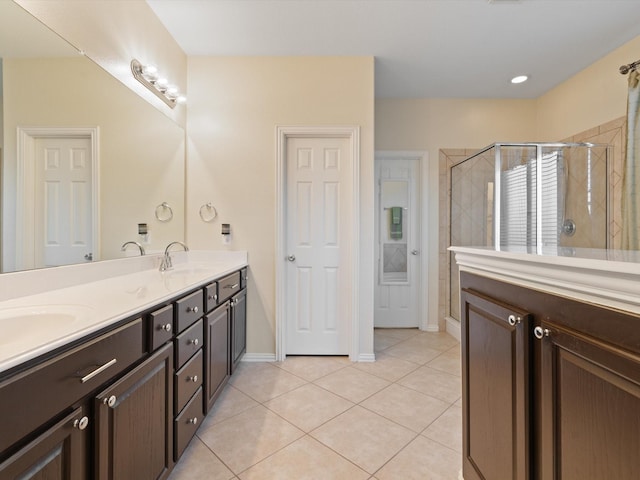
63	192
318	217
398	274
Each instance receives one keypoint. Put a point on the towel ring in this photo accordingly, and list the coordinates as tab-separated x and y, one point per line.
164	213
208	212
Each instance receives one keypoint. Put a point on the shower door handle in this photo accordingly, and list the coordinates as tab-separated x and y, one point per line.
414	252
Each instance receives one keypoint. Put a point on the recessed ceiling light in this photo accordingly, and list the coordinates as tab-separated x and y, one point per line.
519	79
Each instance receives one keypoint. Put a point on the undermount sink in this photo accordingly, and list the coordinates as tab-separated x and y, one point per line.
21	320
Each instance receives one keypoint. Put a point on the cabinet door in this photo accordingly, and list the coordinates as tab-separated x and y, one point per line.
217	353
238	327
58	453
590	399
495	389
134	427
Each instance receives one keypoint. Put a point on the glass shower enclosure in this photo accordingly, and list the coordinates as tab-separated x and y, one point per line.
534	196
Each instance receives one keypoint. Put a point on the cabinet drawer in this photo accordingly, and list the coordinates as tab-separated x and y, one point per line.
187	423
161	325
189	309
188	379
31	398
228	286
188	343
211	296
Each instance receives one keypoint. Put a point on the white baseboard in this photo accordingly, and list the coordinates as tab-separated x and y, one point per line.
432	328
259	357
367	357
453	327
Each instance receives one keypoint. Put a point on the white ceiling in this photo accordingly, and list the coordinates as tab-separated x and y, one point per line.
422	48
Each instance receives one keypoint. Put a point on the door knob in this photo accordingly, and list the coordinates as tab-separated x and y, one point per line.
414	252
291	258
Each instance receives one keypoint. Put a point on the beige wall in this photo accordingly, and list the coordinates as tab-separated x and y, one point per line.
235	104
593	97
141	150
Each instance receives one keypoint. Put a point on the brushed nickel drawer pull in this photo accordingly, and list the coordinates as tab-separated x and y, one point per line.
193	342
235	285
193	379
98	371
193	421
166	327
192	309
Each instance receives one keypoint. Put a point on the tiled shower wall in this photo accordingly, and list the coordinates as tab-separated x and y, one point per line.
612	133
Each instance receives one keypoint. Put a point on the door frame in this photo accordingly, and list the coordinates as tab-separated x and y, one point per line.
25	187
351	254
424	301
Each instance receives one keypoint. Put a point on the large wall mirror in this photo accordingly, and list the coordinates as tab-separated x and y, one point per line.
84	160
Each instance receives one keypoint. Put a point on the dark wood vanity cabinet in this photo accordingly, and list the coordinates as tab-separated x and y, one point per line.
124	404
496	389
134	422
550	394
238	328
59	453
217	369
590	406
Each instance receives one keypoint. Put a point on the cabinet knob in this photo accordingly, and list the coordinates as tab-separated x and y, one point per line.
81	423
212	297
166	327
513	320
193	421
193	379
194	342
110	401
192	309
540	332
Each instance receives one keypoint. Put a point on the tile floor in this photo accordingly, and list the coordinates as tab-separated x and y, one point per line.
327	418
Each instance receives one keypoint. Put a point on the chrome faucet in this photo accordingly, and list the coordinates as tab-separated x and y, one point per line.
167	263
124	246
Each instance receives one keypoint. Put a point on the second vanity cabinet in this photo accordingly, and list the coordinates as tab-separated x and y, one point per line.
551	386
124	403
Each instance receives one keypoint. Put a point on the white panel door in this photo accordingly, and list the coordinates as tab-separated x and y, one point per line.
318	232
398	274
63	223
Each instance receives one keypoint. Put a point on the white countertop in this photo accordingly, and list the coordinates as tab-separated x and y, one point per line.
97	295
609	278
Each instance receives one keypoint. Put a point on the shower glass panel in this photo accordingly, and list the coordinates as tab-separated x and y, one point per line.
394	226
537	196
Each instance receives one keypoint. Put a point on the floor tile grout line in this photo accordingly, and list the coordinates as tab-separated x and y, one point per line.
396	381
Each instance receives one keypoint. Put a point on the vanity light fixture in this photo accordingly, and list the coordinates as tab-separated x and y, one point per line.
148	76
519	79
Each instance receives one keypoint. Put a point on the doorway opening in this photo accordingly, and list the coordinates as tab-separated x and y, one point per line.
401	242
